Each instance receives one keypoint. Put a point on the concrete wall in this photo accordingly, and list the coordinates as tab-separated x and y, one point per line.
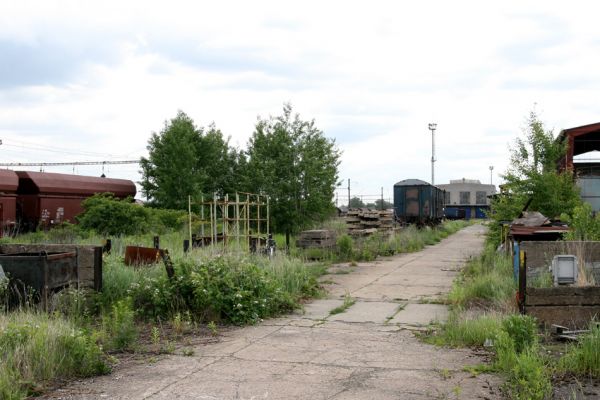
573	307
540	255
89	259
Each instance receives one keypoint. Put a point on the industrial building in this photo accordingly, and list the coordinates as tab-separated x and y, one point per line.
583	158
467	198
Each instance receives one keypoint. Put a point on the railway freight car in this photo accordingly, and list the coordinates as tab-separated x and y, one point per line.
47	199
418	202
9	182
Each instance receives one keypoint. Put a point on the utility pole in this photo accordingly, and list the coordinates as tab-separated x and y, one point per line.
491	169
432	128
382	198
348	193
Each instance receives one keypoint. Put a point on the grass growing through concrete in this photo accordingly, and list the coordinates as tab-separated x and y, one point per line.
348	302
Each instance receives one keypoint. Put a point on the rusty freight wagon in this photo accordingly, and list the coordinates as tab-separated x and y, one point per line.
9	182
47	199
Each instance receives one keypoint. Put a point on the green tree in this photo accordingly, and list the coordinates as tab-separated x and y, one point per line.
356	202
186	160
533	175
297	166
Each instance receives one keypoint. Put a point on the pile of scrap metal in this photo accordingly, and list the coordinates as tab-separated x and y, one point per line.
562	333
532	225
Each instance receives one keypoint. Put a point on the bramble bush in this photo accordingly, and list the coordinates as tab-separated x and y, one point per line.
235	291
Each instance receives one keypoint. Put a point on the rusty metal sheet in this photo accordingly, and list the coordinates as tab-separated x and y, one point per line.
136	255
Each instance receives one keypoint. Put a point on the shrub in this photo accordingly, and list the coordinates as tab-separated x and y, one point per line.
345	246
522	329
108	215
119	326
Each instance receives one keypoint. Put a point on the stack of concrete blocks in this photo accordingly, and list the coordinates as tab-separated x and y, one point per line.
365	222
316	239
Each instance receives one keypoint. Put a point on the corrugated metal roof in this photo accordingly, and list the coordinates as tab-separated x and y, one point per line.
521	230
9	181
412	182
53	183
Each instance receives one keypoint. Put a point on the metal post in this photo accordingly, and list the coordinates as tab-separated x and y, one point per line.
237	218
348	193
268	216
522	280
382	198
190	216
202	216
156	242
432	128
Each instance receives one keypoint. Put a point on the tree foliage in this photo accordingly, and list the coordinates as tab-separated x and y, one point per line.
296	165
533	175
186	160
356	202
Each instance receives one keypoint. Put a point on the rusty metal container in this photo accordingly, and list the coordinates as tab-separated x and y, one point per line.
41	271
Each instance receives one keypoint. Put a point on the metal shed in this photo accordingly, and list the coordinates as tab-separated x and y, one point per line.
51	198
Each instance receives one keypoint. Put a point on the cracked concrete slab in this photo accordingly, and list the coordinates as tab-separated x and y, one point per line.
367	311
421	314
358	354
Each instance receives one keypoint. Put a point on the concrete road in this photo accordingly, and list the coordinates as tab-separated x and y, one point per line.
369	351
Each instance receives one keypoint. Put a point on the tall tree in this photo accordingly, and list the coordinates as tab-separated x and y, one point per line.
533	175
186	160
292	161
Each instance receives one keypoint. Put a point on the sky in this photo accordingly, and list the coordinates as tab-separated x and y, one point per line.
91	80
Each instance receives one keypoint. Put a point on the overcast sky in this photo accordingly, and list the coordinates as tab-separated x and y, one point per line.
91	80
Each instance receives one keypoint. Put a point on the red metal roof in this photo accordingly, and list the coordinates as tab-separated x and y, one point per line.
521	230
9	181
52	183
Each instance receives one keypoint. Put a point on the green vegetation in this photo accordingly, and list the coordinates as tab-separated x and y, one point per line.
37	348
287	158
485	281
532	175
583	358
348	302
293	162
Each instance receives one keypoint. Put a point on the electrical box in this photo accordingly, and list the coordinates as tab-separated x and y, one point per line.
564	269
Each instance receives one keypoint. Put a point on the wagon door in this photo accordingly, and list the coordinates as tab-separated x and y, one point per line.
412	202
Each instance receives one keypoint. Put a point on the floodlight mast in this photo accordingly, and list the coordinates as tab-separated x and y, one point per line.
432	128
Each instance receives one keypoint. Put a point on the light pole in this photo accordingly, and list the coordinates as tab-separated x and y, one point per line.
491	169
432	128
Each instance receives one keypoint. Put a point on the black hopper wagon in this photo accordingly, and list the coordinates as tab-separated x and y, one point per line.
418	202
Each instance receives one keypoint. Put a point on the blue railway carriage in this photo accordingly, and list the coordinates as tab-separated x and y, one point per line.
418	202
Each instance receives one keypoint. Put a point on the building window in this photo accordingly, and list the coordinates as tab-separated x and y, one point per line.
480	198
446	197
465	197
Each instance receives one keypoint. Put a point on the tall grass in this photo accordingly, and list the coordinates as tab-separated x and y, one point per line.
485	281
583	358
36	349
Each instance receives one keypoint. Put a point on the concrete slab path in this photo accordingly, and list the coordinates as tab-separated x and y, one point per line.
366	352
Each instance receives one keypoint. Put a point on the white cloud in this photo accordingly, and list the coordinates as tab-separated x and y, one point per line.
104	75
